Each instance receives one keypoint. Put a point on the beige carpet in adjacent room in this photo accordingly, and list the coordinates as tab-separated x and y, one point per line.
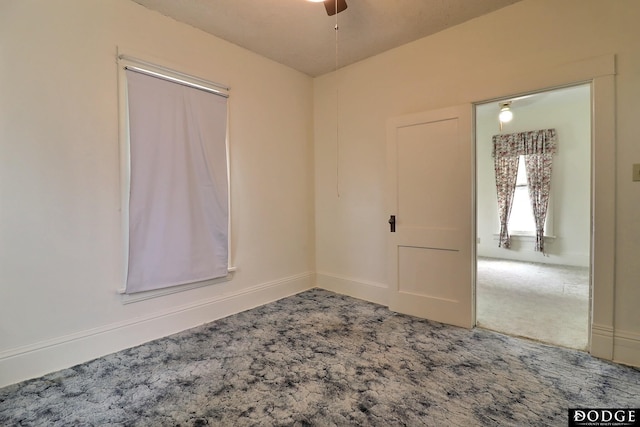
544	302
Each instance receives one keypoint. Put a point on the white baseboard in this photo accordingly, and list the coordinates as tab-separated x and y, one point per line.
616	345
602	341
626	348
37	359
357	288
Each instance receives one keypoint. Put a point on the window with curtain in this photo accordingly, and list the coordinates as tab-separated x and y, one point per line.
178	207
535	149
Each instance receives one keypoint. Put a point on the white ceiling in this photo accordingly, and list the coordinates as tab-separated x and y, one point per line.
299	34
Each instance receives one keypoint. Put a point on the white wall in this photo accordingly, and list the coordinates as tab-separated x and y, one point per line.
569	112
60	225
492	56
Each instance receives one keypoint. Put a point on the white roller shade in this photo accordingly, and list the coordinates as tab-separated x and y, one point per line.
178	200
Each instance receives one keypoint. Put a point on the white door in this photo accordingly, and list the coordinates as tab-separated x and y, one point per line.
430	195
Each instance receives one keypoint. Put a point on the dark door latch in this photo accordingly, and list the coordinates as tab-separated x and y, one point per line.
392	223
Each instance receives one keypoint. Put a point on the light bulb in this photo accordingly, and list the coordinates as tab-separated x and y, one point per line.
505	115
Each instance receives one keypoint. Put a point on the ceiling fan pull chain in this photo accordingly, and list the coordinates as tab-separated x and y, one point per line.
336	28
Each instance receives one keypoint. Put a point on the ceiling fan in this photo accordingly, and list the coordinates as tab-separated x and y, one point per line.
333	6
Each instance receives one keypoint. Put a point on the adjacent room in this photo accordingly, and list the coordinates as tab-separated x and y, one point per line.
306	254
538	293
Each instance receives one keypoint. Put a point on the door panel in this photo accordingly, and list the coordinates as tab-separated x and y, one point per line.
430	259
427	272
425	156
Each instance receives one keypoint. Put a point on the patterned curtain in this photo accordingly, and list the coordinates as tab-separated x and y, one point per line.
506	168
539	159
538	148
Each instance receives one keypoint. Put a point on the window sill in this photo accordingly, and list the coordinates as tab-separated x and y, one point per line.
142	296
523	237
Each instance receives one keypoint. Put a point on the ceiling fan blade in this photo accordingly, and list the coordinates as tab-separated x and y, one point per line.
330	5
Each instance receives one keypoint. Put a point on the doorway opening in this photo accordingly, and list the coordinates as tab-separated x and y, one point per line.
545	296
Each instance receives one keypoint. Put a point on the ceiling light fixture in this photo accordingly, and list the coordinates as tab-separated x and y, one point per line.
505	115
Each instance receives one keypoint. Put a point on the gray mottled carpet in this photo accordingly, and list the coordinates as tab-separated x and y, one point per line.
322	359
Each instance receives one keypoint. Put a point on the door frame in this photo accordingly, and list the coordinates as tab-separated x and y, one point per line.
600	73
590	190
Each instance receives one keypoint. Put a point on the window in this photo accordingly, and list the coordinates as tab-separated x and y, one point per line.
176	192
521	221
